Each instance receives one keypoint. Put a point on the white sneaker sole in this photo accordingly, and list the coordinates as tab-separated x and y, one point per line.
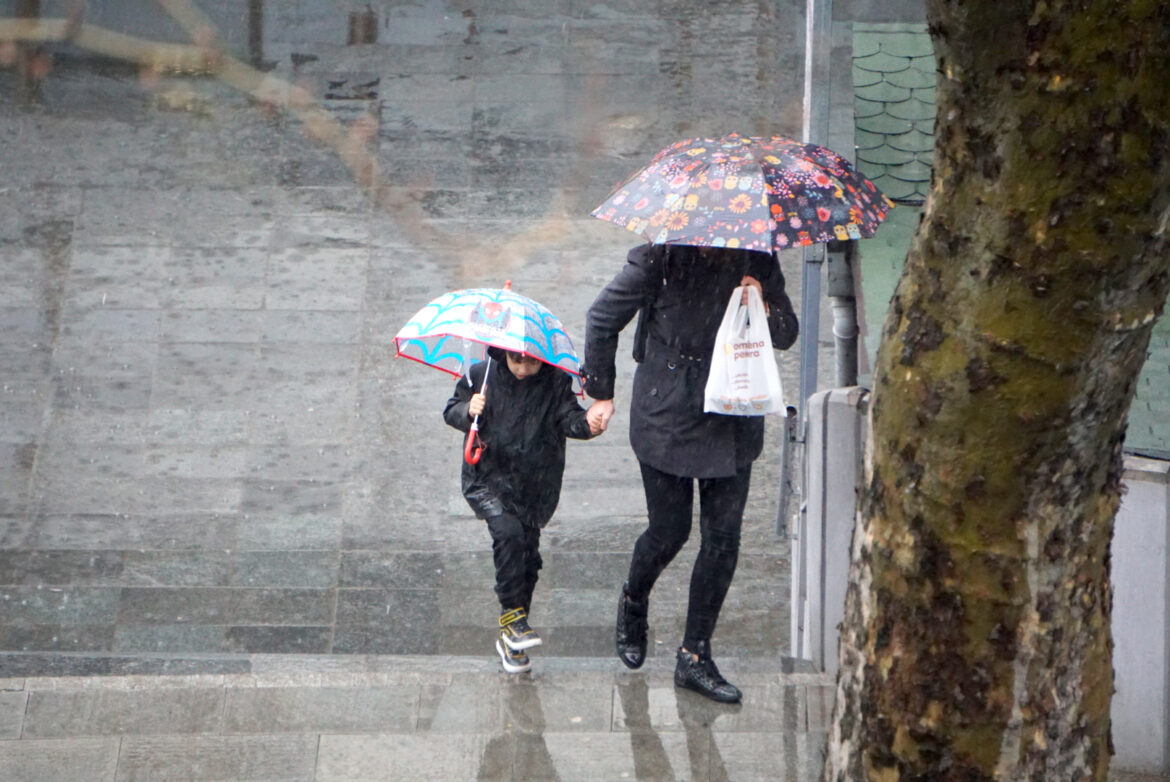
520	646
506	661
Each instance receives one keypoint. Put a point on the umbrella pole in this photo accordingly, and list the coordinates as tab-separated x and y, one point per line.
473	447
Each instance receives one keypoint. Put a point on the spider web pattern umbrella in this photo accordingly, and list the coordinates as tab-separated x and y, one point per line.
753	193
455	330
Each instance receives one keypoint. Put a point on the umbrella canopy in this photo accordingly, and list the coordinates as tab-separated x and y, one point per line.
455	330
753	193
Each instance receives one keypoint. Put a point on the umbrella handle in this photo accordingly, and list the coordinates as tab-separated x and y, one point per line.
473	447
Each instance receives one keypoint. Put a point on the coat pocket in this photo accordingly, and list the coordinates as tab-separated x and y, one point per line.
661	394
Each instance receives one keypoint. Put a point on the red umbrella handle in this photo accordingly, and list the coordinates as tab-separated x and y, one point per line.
473	447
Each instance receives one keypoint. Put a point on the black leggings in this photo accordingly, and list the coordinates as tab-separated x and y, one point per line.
516	553
669	504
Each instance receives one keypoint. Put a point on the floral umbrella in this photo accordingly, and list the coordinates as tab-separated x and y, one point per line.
753	193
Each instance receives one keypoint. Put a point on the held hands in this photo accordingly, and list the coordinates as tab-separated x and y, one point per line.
476	405
598	415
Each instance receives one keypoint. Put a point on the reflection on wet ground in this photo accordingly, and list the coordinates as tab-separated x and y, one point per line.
415	718
521	750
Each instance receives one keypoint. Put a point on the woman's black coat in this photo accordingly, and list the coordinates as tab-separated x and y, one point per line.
523	426
668	429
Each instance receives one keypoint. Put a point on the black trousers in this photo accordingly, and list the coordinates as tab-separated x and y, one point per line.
516	553
669	505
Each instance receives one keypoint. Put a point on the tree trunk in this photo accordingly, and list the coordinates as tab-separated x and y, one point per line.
976	640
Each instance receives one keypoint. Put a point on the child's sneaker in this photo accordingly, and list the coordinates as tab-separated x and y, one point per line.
514	661
515	632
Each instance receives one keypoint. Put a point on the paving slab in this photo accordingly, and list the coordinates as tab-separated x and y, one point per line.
193	759
57	714
60	760
12	708
321	709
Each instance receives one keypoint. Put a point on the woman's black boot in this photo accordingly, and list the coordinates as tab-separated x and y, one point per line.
696	671
631	630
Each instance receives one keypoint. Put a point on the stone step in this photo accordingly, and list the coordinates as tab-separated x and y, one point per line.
36	665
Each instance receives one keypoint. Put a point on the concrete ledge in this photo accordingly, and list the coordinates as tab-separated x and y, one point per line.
1140	468
1141	618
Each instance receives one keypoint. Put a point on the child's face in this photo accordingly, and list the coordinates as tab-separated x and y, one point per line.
522	366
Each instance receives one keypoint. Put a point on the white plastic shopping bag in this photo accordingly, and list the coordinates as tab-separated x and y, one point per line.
744	378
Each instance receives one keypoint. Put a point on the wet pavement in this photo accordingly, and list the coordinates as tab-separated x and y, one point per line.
232	543
207	445
416	718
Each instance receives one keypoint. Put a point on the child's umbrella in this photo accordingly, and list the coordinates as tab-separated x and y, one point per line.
456	329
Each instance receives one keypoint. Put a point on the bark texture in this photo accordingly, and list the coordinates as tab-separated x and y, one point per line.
976	641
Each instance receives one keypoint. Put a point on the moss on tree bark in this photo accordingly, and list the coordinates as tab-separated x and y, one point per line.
976	641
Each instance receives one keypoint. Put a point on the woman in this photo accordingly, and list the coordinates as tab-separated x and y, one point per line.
683	292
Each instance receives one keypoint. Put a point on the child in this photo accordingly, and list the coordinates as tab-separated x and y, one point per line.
526	413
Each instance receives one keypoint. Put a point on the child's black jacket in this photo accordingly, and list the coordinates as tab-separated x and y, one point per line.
523	426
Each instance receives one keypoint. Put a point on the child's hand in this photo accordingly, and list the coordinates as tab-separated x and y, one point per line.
476	405
595	427
598	415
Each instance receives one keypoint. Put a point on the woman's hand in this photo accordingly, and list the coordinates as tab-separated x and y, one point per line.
476	405
752	281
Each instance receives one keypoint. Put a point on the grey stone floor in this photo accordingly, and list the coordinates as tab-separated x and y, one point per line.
206	443
232	544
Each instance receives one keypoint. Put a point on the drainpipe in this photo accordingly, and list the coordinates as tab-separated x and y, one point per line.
818	46
844	302
818	27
